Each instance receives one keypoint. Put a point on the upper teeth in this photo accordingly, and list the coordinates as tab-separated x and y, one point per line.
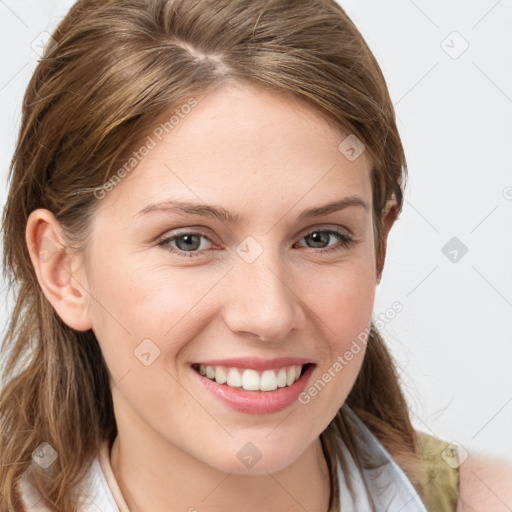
252	380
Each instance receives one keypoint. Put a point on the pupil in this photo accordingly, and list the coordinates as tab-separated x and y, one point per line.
319	237
191	242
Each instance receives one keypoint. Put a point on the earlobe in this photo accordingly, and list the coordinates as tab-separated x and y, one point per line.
58	271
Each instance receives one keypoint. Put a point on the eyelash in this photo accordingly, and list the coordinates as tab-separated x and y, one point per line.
345	242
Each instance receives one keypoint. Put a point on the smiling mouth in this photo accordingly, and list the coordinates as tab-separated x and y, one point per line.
253	380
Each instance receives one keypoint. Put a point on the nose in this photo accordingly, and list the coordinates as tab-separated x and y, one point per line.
262	301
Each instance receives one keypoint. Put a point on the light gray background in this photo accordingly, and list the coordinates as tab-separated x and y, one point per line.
453	338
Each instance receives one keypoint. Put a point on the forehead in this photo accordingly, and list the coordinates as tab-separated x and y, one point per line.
247	146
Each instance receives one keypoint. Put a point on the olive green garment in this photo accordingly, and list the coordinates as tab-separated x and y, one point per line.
439	459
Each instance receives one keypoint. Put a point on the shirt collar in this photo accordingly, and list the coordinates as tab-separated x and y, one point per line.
388	486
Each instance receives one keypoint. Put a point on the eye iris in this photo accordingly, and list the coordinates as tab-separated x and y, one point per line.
318	237
192	242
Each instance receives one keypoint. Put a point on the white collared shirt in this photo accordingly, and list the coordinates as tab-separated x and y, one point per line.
388	485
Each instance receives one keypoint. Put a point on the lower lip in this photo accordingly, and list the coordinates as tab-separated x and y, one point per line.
257	402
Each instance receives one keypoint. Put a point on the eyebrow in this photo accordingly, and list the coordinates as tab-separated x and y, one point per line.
223	215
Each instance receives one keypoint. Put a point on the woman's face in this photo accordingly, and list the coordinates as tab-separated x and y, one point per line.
260	280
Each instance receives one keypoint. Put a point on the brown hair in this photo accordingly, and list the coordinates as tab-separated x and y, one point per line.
115	67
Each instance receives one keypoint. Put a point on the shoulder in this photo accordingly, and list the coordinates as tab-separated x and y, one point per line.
438	488
456	481
485	485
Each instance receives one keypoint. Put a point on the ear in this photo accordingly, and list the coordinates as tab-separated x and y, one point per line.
389	215
60	273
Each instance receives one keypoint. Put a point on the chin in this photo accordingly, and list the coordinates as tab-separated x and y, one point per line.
250	460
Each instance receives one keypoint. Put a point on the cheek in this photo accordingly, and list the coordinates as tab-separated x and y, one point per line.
139	309
342	294
343	305
350	316
342	298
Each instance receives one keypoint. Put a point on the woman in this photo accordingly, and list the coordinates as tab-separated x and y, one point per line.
197	219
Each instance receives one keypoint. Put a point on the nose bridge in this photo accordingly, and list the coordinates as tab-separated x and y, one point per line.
262	300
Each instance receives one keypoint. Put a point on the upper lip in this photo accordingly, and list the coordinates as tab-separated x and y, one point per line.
256	363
